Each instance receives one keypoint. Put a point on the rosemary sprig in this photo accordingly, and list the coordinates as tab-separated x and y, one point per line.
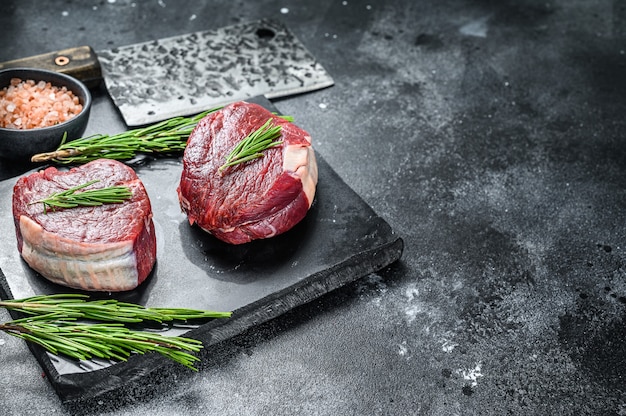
106	341
164	137
92	197
252	146
106	310
51	322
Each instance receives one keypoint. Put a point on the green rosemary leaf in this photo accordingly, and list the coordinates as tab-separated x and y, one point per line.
70	198
51	322
285	117
254	144
110	341
109	310
167	136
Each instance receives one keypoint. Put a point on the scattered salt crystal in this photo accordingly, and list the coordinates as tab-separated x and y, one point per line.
402	348
192	17
110	1
284	10
411	292
65	13
472	374
2	341
323	105
448	346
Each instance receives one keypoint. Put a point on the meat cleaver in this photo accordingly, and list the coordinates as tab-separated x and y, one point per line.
186	74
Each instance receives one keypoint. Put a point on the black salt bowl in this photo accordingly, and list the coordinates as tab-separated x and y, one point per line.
22	144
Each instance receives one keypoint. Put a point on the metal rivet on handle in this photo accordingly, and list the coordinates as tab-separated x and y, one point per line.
61	60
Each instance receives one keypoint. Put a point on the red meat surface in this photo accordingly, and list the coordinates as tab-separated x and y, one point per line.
111	247
253	200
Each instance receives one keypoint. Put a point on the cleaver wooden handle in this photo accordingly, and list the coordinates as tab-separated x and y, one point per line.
80	62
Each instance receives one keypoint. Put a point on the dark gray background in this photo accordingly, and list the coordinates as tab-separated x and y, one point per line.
490	135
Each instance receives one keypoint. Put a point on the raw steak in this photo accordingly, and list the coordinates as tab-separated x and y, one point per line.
111	247
253	200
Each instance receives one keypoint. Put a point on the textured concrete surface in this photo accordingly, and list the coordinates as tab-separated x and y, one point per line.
490	135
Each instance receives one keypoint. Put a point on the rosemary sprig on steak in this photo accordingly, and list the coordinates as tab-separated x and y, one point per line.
167	136
254	144
91	197
52	322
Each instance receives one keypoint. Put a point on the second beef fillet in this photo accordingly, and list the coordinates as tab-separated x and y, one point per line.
252	200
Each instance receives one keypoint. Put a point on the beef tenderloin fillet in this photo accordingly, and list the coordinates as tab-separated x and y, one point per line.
111	247
253	200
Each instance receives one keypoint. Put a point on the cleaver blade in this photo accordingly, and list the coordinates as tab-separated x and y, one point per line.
186	74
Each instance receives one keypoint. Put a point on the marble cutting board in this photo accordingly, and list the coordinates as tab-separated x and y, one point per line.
340	240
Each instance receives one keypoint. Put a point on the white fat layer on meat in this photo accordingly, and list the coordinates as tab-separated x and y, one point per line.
301	161
88	266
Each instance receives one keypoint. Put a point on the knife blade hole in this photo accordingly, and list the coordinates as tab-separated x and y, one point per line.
265	33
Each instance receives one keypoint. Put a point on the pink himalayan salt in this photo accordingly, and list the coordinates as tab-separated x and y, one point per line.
29	104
